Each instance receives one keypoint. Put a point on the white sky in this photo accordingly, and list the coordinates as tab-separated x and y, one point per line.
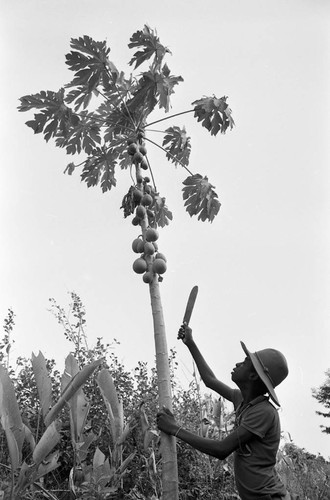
262	266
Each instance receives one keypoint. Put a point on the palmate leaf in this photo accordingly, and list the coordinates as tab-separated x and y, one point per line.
89	61
200	198
162	214
100	169
148	41
144	97
165	85
177	145
154	87
85	136
214	114
55	117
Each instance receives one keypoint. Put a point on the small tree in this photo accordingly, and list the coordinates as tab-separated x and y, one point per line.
322	395
112	131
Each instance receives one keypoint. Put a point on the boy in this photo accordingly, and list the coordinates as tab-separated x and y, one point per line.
256	436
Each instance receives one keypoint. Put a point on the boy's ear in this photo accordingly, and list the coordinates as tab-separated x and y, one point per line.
253	376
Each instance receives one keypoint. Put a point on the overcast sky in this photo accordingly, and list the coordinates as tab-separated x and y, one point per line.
263	265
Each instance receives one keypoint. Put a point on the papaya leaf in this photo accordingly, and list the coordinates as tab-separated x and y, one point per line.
200	198
43	381
55	117
165	84
144	98
148	41
214	114
84	136
129	203
100	169
177	145
162	214
89	61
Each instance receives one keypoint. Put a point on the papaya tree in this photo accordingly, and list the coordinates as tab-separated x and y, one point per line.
105	116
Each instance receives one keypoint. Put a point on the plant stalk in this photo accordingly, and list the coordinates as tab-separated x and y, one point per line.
168	443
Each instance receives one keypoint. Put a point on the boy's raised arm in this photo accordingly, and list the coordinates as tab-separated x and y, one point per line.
207	375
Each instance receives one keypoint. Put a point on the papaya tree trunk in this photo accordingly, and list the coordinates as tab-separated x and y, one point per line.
168	443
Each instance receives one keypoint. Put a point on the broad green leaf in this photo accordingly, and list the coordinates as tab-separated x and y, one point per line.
114	405
71	369
48	465
25	478
72	387
177	145
47	442
78	404
101	469
149	436
43	381
14	452
214	114
126	432
28	436
83	446
121	470
148	41
79	408
10	415
200	198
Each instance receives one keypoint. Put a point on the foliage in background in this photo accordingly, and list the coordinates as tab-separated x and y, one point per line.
322	395
307	476
200	476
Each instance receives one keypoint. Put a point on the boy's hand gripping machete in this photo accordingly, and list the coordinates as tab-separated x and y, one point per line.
190	305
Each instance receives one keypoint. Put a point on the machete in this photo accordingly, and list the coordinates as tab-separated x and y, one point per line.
190	305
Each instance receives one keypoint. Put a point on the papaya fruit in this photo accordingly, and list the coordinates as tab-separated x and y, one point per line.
146	200
148	277
151	234
159	266
140	266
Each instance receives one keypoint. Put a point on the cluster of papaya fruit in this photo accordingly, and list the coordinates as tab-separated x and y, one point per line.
151	262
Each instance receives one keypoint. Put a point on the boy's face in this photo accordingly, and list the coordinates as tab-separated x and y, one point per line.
242	371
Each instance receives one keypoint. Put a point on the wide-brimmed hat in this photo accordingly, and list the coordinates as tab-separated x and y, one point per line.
271	366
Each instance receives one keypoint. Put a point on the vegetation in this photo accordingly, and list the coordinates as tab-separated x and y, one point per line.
104	445
322	395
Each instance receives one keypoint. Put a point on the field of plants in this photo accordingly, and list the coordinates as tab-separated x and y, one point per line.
90	433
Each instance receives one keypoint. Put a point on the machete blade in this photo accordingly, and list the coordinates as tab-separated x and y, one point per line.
190	305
